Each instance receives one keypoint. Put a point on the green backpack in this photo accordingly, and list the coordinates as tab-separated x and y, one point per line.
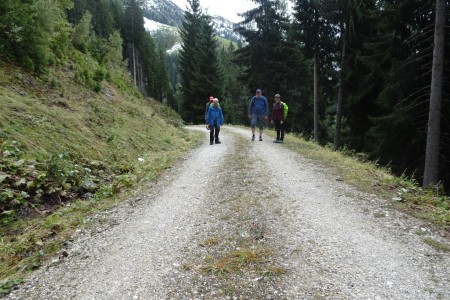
285	109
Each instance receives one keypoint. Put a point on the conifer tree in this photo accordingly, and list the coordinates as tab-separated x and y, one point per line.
317	36
392	108
139	49
234	93
431	171
199	69
348	16
188	58
162	85
264	30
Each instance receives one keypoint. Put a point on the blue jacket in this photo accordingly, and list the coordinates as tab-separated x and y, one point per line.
214	113
258	106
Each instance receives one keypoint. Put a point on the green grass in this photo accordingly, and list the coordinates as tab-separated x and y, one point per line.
130	139
237	260
223	42
437	245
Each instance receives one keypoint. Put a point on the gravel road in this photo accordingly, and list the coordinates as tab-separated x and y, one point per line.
247	220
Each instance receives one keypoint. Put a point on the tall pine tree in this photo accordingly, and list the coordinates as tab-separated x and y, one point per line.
316	35
199	65
264	29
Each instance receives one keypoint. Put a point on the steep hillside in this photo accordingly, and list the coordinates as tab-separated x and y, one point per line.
52	121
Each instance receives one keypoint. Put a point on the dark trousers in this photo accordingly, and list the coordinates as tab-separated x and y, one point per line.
214	133
280	130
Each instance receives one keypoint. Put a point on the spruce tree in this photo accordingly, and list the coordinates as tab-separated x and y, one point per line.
392	118
189	59
431	172
316	34
139	49
264	29
199	68
234	92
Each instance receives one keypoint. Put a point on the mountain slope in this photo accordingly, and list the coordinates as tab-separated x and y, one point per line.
165	12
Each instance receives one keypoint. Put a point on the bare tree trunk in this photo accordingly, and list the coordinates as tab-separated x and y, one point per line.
316	100
430	175
133	50
337	135
134	64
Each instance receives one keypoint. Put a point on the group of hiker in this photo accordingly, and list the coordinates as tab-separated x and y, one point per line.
258	112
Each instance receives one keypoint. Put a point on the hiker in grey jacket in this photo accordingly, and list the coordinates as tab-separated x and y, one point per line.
258	110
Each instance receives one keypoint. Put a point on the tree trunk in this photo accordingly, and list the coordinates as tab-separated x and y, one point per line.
316	100
337	135
430	175
134	64
133	49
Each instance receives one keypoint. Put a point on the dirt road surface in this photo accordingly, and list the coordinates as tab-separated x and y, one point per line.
247	220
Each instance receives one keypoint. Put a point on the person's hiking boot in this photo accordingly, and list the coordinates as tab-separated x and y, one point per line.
276	141
280	141
211	143
218	142
260	138
253	137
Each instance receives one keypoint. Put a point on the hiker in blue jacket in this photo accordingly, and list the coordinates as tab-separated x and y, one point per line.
215	122
258	110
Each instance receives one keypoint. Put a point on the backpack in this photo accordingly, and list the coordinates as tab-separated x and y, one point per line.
285	109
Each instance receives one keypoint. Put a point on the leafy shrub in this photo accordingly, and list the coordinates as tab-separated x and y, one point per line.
57	178
89	72
26	182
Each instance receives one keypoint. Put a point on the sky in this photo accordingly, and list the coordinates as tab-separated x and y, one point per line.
225	8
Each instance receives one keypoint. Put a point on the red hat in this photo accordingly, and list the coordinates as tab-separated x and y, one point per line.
211	99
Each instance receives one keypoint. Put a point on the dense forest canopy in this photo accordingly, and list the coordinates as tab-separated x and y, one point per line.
358	75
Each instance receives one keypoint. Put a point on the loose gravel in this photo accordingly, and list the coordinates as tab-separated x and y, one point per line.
247	220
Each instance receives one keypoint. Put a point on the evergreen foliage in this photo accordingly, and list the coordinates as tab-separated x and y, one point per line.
235	94
263	56
199	65
33	33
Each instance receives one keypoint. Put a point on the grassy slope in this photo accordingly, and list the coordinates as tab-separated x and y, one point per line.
223	42
53	114
109	126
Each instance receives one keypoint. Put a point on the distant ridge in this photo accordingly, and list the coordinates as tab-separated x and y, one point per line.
166	12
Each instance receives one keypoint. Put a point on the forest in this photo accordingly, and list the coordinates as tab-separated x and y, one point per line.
368	76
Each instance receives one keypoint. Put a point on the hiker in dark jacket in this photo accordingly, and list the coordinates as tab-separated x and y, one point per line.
278	119
215	121
258	110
